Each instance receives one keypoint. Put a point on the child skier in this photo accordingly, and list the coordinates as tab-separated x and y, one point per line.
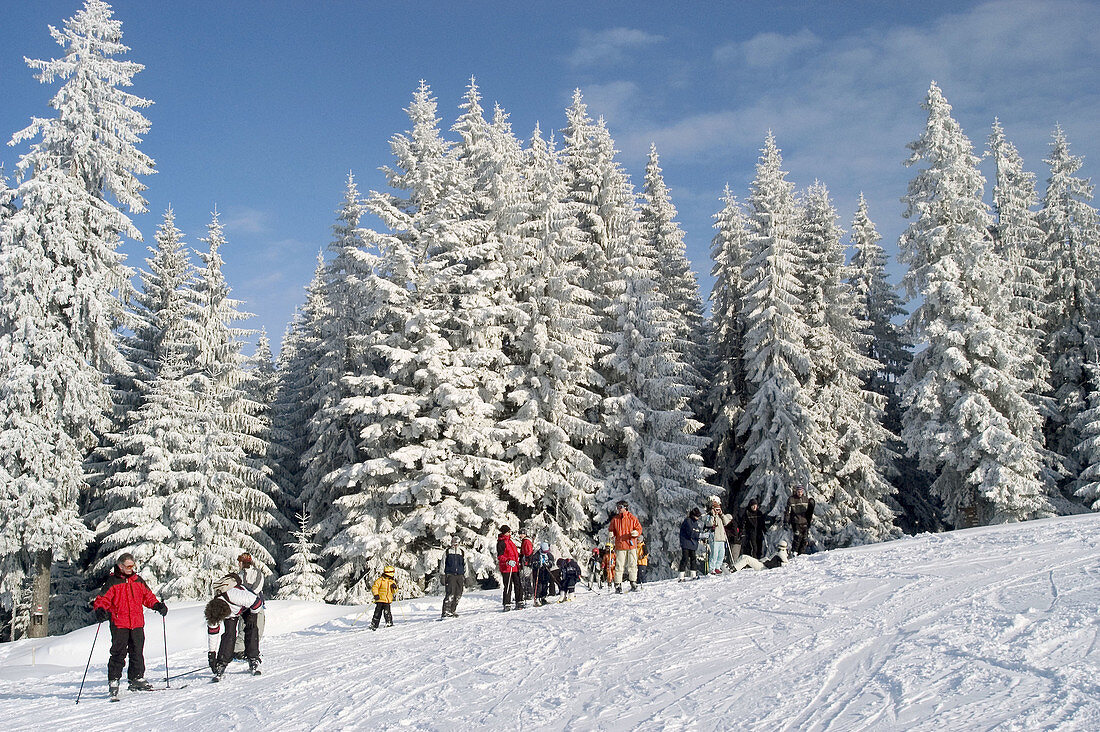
595	572
542	562
123	601
570	576
384	590
232	602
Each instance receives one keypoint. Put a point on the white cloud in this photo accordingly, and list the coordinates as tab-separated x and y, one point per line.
611	46
615	101
768	49
244	220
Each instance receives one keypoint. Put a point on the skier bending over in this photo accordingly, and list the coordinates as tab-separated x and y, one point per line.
778	560
123	601
232	602
690	531
384	590
251	579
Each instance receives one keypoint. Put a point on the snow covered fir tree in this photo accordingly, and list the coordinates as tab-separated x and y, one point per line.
509	331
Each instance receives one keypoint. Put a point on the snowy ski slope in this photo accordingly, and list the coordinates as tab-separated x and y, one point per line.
992	628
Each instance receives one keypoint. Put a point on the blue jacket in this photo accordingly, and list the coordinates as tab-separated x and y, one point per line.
690	531
454	562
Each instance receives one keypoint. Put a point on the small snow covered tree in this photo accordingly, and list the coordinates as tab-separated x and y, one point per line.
59	305
775	426
1071	235
967	417
725	397
303	578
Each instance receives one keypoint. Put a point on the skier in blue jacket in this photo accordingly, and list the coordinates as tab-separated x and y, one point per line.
542	562
690	532
454	578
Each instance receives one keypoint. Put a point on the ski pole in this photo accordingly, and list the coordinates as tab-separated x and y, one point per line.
188	673
164	627
87	665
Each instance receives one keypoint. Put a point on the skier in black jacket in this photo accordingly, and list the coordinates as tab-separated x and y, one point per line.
754	524
691	530
454	578
798	516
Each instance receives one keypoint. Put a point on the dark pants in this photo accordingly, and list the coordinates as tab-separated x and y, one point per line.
126	641
512	584
799	534
379	609
542	583
753	546
643	570
229	638
687	560
454	584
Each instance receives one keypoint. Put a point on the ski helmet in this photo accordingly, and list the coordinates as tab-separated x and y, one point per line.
388	570
545	546
783	544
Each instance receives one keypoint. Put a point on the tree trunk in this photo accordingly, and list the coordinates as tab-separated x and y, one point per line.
40	595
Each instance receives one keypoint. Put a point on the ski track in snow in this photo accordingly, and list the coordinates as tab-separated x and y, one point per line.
986	629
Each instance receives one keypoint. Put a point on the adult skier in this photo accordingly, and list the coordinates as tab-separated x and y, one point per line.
251	579
232	603
690	532
779	559
454	578
798	516
542	562
384	590
627	531
716	522
508	560
570	575
122	601
754	524
595	568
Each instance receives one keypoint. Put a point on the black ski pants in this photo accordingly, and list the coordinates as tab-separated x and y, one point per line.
454	584
688	559
126	641
512	584
229	638
379	609
800	533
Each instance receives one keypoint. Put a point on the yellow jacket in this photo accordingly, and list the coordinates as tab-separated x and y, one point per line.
643	555
384	589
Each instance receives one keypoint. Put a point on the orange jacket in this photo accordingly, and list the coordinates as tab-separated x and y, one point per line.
621	526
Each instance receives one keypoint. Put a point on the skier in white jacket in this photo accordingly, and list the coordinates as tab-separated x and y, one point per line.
251	579
231	603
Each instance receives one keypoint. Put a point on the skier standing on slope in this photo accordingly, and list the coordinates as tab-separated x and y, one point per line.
643	561
570	575
454	578
716	522
627	531
123	600
542	562
232	602
595	568
754	524
251	579
508	560
526	572
384	590
798	516
690	531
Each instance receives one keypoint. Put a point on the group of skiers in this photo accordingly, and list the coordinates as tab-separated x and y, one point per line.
122	601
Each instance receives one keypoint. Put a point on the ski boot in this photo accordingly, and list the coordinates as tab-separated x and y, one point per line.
219	671
619	589
254	666
112	689
634	587
140	684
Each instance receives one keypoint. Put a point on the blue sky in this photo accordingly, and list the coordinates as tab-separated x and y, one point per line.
262	108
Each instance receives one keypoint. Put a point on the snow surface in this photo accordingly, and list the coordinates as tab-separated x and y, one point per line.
991	628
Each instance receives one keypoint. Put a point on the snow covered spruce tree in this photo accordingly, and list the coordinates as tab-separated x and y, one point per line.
225	506
967	417
1071	235
552	479
61	276
847	417
144	465
776	426
725	396
302	578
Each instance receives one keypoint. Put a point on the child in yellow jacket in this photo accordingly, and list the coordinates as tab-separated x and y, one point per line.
384	590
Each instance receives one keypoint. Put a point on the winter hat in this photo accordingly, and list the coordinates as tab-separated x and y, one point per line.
715	499
753	502
696	513
783	545
388	570
545	546
505	530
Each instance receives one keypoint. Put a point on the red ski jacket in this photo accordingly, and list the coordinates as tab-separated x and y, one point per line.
126	598
507	554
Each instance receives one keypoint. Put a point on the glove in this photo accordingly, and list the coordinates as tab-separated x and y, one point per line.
511	563
161	608
102	615
376	598
212	659
634	532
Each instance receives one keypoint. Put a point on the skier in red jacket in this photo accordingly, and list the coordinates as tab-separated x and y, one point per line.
123	601
508	559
